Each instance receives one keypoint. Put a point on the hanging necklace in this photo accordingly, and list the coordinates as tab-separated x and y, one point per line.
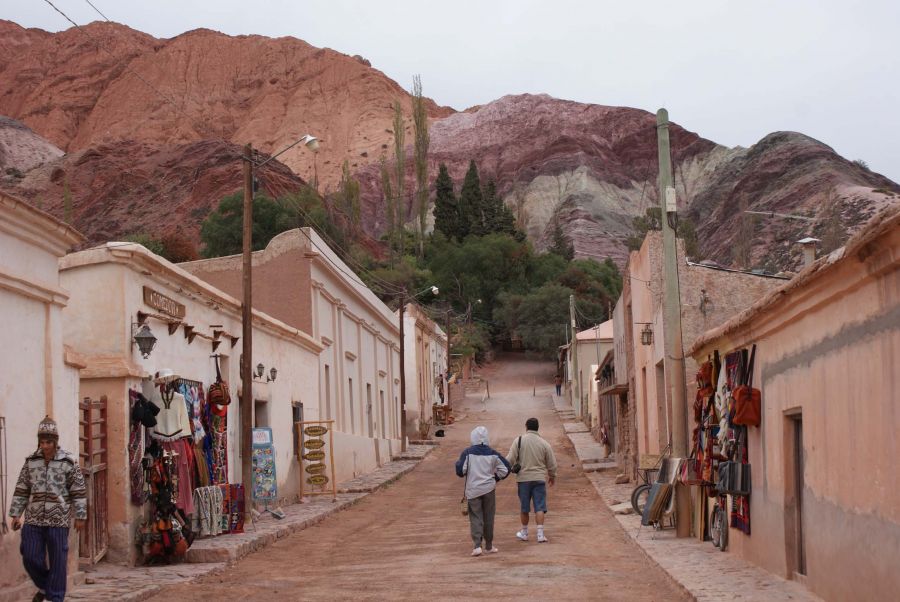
167	392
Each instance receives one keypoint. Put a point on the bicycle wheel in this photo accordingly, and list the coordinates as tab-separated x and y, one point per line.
718	528
639	498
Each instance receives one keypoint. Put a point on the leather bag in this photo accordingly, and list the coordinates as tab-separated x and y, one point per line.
747	400
218	391
517	467
734	478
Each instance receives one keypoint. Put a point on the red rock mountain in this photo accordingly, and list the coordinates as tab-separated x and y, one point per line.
151	128
106	82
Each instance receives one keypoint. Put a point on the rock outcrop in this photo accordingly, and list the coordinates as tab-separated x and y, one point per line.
107	82
126	187
21	149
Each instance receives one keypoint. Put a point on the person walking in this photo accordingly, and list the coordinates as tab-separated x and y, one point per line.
49	485
537	468
482	467
558	385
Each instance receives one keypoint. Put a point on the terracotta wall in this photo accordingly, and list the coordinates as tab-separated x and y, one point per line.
828	352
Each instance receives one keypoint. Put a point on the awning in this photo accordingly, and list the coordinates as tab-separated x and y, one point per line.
617	389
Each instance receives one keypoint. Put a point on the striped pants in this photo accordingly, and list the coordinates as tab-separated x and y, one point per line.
39	544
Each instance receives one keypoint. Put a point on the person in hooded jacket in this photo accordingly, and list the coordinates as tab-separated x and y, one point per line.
482	467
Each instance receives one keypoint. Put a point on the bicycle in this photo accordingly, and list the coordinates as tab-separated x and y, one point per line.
647	475
718	526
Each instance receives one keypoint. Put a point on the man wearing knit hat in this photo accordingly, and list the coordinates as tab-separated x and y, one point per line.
49	485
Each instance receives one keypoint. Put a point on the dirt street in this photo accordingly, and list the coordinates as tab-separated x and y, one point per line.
409	542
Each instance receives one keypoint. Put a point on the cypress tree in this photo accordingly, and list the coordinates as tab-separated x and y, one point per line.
562	244
446	209
471	217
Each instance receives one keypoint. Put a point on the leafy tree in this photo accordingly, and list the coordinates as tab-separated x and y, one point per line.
390	207
446	209
471	217
348	197
641	224
154	245
542	316
420	123
177	247
400	166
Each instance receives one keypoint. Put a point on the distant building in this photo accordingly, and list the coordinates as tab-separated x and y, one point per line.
299	280
709	296
426	362
825	507
592	345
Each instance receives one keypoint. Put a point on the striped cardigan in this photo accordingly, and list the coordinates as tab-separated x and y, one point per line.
46	491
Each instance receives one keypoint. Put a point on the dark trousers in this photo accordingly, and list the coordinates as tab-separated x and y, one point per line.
481	519
39	543
558	390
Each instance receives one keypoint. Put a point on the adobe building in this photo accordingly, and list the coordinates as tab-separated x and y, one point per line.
121	294
824	506
425	347
38	375
592	345
709	296
299	280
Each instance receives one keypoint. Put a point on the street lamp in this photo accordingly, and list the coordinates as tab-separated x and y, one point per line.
246	409
403	298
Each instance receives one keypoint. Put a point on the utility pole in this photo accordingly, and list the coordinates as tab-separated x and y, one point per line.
447	377
674	348
246	408
402	375
573	349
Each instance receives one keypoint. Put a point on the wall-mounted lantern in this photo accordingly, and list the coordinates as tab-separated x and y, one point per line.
706	303
144	339
259	370
646	335
272	374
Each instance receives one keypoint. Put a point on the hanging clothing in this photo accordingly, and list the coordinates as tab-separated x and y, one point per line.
172	422
184	466
218	453
192	402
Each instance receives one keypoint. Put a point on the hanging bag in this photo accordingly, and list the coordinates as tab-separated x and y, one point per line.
735	476
218	391
517	466
747	400
464	502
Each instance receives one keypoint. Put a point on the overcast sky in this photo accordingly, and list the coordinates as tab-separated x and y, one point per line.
732	71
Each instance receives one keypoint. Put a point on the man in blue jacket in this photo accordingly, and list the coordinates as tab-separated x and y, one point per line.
483	468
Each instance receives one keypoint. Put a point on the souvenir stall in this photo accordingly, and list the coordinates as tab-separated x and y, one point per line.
725	407
178	461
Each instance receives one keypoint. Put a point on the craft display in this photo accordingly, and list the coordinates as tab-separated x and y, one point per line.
313	452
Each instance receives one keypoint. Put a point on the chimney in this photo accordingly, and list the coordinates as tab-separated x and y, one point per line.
809	250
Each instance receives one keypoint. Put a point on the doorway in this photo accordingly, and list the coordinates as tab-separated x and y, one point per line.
795	485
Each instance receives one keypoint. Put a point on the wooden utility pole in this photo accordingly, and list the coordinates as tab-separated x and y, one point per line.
402	375
446	378
674	348
246	409
573	350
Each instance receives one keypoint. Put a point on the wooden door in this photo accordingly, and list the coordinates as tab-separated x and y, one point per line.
94	539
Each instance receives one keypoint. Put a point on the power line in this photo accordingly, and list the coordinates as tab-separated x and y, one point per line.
98	10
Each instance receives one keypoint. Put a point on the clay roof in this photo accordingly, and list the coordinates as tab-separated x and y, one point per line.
882	223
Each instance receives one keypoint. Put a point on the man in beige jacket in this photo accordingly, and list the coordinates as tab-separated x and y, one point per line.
537	468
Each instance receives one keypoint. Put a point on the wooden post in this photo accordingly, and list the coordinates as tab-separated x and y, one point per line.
246	409
402	375
331	456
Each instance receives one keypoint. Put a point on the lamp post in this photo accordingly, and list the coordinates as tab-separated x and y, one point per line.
246	403
403	298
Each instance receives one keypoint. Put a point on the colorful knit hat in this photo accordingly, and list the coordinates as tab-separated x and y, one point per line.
47	429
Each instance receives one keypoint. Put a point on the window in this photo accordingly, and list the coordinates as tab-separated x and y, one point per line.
327	392
352	418
296	416
370	416
260	413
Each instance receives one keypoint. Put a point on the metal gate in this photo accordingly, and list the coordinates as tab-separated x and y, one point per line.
94	539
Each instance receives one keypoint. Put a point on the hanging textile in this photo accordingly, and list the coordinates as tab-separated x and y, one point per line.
191	391
218	452
740	504
172	422
208	507
184	466
162	535
136	452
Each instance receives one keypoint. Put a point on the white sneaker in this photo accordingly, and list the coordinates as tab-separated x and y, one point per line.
493	550
542	538
523	535
476	551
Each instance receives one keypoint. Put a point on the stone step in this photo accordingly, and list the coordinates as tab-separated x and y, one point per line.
599	465
576	427
424	442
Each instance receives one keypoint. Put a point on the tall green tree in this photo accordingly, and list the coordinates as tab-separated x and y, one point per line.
389	207
400	170
471	217
420	153
446	209
348	198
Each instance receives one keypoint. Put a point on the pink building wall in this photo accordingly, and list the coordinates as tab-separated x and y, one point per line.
828	353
